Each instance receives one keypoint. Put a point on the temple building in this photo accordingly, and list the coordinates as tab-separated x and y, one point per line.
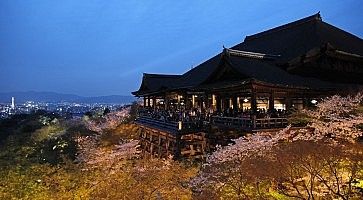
255	84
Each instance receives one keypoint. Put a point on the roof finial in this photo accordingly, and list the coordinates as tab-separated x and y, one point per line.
225	51
318	16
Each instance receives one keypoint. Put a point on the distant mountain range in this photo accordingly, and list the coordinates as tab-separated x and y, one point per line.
52	97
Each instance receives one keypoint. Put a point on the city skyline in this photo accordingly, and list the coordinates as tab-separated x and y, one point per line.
96	48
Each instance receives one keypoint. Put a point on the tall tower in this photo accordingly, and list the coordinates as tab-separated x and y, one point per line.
12	102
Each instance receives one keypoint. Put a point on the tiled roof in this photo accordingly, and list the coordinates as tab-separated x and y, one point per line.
260	56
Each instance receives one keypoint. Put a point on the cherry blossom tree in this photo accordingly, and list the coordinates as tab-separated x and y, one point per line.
338	117
119	173
244	166
109	121
93	156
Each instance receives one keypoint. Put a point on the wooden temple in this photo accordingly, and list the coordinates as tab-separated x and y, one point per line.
250	86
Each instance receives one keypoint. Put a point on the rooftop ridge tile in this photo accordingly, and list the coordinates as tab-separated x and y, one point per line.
315	17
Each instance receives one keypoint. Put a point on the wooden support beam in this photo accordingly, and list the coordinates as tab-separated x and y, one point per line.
159	146
234	103
288	102
271	101
154	102
218	103
193	101
214	102
156	143
166	102
254	102
167	146
207	103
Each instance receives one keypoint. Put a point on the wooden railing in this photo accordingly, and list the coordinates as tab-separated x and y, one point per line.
226	122
232	122
171	126
270	123
249	124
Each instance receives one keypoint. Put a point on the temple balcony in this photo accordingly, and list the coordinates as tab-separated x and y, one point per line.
166	132
200	124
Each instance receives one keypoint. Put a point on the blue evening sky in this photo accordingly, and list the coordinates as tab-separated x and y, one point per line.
90	47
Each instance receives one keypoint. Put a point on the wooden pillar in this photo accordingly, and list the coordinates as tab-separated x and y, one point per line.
144	102
218	103
187	102
224	103
143	137
193	101
166	102
254	101
151	144
177	147
167	145
204	101
288	102
148	101
159	146
234	103
271	101
214	102
201	101
238	103
154	102
185	98
178	101
207	102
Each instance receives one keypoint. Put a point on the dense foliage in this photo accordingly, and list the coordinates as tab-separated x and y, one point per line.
44	156
323	160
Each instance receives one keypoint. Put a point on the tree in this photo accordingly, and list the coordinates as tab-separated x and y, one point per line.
241	168
310	170
109	121
119	174
133	111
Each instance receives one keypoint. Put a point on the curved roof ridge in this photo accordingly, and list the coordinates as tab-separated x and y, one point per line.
161	75
315	17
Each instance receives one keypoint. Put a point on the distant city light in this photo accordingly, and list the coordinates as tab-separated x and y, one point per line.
61	108
12	102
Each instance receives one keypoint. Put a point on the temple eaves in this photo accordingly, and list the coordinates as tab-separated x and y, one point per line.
249	54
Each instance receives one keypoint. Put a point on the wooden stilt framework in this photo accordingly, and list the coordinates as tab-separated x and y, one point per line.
162	144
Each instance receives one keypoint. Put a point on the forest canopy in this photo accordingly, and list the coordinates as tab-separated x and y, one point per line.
45	156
